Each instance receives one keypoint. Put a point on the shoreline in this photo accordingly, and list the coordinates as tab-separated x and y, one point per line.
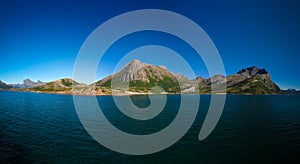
134	93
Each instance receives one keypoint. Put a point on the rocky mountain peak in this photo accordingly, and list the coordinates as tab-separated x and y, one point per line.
135	64
27	81
251	71
39	82
252	79
135	61
132	71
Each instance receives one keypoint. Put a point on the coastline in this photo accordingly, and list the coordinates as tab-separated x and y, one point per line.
129	93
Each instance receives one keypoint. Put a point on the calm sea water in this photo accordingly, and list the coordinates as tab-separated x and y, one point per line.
44	128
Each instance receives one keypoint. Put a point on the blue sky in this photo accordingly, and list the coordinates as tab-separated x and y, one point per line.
40	39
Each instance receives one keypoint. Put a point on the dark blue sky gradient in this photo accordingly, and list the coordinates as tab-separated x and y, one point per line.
40	39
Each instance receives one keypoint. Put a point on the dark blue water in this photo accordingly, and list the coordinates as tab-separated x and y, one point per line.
44	128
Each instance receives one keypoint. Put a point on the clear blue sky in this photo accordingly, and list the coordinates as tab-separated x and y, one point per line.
40	39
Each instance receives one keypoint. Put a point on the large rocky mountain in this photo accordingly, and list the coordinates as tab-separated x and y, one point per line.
250	80
141	77
27	83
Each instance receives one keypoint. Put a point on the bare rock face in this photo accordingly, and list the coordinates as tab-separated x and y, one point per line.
250	71
133	71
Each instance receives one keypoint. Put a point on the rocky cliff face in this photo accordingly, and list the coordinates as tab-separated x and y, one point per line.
133	71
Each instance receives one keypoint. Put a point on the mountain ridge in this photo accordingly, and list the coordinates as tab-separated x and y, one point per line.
139	78
251	80
27	83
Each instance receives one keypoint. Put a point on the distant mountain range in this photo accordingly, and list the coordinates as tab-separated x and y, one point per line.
27	83
140	78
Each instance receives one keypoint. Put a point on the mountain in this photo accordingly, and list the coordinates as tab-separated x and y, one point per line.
67	86
290	91
251	80
4	85
27	83
141	77
64	84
